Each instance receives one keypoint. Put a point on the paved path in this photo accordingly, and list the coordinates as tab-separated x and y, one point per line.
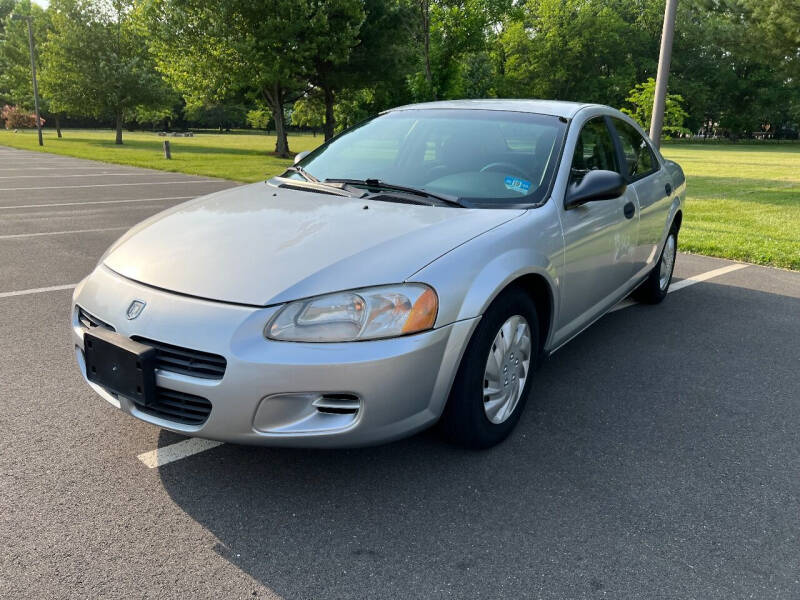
659	457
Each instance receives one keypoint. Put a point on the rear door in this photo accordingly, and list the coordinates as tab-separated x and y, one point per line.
653	187
599	237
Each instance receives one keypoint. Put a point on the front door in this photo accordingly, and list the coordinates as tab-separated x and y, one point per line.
600	237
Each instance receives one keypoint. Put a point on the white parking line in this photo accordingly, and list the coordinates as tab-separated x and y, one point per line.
24	161
96	202
94	185
70	167
167	454
42	233
52	288
679	285
111	174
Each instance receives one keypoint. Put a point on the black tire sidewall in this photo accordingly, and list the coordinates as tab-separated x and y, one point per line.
674	234
464	420
650	291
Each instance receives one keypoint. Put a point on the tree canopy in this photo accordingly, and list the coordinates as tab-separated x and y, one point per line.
329	63
95	62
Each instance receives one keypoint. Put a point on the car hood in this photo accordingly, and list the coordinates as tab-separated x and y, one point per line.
260	244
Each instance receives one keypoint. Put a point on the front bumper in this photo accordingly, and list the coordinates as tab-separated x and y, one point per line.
280	393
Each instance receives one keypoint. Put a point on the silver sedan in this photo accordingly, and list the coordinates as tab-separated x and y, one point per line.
412	271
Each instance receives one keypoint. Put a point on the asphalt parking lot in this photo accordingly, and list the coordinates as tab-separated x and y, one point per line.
659	456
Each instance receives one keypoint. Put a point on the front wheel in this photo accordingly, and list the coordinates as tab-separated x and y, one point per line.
654	289
494	378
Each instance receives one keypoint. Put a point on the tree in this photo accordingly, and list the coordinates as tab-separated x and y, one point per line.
581	50
96	63
641	100
15	68
16	84
375	75
220	115
213	50
309	111
328	39
446	32
259	118
733	73
477	77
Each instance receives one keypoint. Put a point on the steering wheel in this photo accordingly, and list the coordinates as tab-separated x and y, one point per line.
507	166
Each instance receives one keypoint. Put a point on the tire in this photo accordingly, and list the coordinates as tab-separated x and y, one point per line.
654	289
468	419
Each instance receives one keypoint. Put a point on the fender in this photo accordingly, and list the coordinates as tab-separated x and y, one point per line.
471	276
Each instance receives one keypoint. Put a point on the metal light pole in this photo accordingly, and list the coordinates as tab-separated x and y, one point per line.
33	73
657	120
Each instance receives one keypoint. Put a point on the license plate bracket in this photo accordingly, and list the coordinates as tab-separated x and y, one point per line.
121	365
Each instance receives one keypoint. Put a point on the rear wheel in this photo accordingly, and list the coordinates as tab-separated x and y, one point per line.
654	289
494	378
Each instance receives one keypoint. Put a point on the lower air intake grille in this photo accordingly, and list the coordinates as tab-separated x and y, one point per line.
178	407
89	321
186	361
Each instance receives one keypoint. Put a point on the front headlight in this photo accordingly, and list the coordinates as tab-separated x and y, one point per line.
365	314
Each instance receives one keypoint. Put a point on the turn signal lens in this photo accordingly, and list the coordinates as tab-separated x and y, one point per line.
423	313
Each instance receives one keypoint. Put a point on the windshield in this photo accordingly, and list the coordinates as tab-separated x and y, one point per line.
485	158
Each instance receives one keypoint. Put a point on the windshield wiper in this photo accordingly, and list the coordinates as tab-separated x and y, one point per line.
318	186
377	184
303	173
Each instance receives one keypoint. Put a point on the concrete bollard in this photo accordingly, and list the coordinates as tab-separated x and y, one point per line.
167	153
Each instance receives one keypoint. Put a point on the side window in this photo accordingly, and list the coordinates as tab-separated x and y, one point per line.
594	150
639	159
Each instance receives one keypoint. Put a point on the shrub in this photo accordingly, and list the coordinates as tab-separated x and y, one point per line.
15	118
259	118
641	99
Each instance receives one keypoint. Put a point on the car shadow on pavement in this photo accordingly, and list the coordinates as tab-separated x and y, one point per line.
643	466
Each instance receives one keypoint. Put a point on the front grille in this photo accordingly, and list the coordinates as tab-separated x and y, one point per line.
185	361
89	321
174	359
179	407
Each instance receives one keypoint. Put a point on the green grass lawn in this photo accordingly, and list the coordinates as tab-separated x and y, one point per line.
237	156
743	200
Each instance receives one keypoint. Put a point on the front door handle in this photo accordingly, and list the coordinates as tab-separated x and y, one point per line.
629	210
668	189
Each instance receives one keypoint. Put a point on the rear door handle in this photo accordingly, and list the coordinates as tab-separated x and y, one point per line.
668	189
629	210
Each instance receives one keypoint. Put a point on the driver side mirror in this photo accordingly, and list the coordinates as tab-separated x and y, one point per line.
300	156
595	185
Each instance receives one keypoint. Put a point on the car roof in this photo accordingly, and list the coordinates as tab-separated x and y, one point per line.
543	107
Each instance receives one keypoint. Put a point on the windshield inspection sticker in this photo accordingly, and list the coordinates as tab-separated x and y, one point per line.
518	185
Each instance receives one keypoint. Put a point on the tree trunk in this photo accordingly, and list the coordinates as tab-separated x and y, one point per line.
274	98
282	142
58	125
330	120
426	33
118	140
